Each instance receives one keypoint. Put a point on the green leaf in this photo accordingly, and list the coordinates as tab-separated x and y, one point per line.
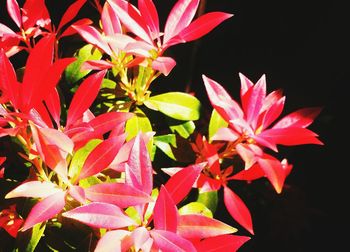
31	237
150	207
79	158
216	122
133	214
196	208
87	52
176	105
184	129
209	199
164	143
139	122
89	181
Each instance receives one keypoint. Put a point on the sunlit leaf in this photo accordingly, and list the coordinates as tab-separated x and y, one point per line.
195	208
181	106
209	199
100	215
216	122
196	226
73	72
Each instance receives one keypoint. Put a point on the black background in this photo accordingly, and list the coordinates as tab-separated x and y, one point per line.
303	48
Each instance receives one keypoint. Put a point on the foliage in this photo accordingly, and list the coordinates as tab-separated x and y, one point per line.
94	155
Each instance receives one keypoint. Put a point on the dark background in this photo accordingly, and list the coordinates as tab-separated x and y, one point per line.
303	48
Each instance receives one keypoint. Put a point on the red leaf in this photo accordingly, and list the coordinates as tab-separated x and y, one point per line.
38	64
150	14
100	215
180	184
203	25
222	243
140	166
274	171
14	12
50	80
45	209
84	97
169	241
300	118
108	121
196	226
101	156
120	194
53	104
71	29
237	209
179	17
8	80
289	136
35	13
70	13
165	213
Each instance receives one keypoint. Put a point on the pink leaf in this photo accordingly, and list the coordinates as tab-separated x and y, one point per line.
84	96
252	101
179	17
101	156
37	66
222	243
57	138
196	226
132	19
45	209
237	209
71	12
140	166
221	100
120	194
96	65
246	84
14	12
100	215
78	193
300	118
115	240
203	25
168	241
93	36
165	213
164	65
150	14
180	184
35	189
110	21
